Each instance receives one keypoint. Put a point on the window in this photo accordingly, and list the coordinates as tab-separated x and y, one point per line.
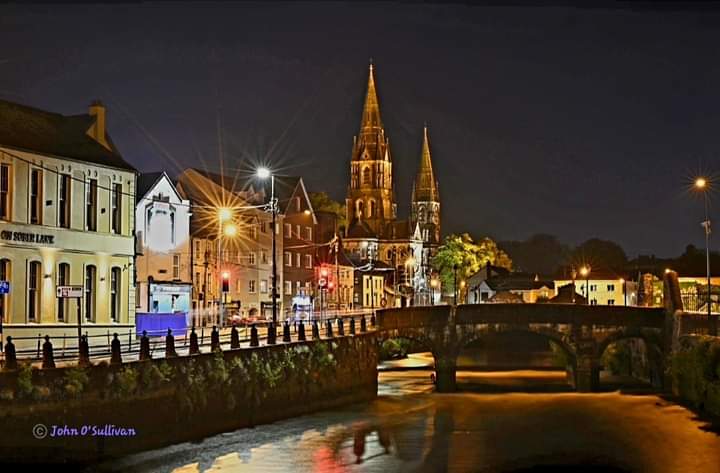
611	301
252	259
197	279
308	233
297	204
36	182
197	247
33	291
263	227
371	209
5	192
288	288
297	287
263	286
297	231
288	230
116	215
366	176
90	273
64	201
91	206
263	257
297	260
115	280
4	276
63	279
593	287
288	258
251	286
172	228
359	208
176	266
254	232
308	261
611	287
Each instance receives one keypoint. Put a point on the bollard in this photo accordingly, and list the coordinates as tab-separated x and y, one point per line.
37	354
341	327
215	339
144	346
170	345
115	349
301	331
363	324
328	329
194	347
234	338
372	320
271	334
286	332
315	330
352	326
254	342
202	335
10	355
48	358
84	351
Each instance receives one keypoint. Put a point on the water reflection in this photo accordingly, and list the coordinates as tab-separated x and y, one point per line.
415	431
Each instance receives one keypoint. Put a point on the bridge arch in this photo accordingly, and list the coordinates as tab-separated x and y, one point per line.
653	343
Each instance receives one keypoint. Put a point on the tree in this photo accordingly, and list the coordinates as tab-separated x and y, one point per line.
601	254
321	202
468	255
540	254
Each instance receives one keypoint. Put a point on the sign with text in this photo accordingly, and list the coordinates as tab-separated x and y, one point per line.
69	292
4	287
26	237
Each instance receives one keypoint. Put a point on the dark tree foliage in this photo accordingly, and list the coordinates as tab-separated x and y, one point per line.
541	253
603	255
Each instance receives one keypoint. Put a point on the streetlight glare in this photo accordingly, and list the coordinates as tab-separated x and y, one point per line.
700	183
263	173
230	230
584	271
224	214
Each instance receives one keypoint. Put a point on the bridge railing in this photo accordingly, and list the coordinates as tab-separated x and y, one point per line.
409	317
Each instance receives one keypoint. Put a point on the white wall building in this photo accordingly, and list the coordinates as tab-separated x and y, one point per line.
163	269
66	218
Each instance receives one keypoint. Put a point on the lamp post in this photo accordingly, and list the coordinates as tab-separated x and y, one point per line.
702	185
264	173
455	268
624	289
574	275
585	271
433	285
224	215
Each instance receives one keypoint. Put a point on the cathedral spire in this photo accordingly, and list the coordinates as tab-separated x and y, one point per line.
371	123
425	188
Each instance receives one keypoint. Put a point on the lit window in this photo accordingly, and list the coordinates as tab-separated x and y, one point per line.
297	260
308	261
288	230
63	279
263	286
91	205
308	233
5	192
33	291
65	186
115	281
288	258
251	258
90	273
176	266
288	288
264	257
251	286
116	212
36	182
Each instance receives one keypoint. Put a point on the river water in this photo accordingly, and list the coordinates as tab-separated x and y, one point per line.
411	429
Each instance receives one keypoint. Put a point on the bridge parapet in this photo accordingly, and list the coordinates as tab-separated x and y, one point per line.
414	317
567	314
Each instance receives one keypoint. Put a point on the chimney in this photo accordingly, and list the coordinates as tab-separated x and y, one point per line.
97	130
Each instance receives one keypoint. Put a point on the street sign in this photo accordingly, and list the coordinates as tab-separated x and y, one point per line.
69	292
322	282
4	287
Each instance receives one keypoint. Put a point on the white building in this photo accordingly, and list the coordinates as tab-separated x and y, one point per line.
603	289
66	218
163	268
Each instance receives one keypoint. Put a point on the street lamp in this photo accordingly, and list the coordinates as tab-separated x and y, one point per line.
701	184
622	281
224	215
585	272
264	173
433	284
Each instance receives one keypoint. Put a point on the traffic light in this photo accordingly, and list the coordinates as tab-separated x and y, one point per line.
225	282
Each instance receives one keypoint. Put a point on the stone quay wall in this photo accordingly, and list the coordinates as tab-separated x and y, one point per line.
86	414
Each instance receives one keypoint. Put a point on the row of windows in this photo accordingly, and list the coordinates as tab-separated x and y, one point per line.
289	232
298	258
36	200
34	291
594	287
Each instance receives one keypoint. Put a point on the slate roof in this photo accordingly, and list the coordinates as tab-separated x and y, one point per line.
34	130
145	182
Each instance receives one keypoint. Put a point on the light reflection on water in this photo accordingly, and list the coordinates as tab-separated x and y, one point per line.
410	430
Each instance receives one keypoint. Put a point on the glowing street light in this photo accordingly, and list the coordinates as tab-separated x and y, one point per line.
224	214
585	272
230	230
701	184
264	173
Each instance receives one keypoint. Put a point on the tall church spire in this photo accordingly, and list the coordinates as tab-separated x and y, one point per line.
425	188
371	123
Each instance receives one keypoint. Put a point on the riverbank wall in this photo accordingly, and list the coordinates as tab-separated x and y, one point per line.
81	415
695	371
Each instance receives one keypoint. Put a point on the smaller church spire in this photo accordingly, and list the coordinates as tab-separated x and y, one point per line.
425	188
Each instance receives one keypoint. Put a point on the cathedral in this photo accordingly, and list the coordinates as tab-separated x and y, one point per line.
375	239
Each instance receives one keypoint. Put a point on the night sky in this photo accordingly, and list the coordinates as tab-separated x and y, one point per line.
575	122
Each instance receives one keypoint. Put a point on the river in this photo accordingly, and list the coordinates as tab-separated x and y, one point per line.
411	429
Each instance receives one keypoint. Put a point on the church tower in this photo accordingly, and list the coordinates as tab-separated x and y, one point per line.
370	199
425	210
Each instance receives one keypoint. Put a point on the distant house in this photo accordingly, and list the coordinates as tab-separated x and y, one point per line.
603	288
491	281
565	296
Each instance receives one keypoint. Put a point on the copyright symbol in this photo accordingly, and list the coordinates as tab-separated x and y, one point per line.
39	431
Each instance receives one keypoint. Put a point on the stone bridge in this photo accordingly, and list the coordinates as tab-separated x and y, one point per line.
583	331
